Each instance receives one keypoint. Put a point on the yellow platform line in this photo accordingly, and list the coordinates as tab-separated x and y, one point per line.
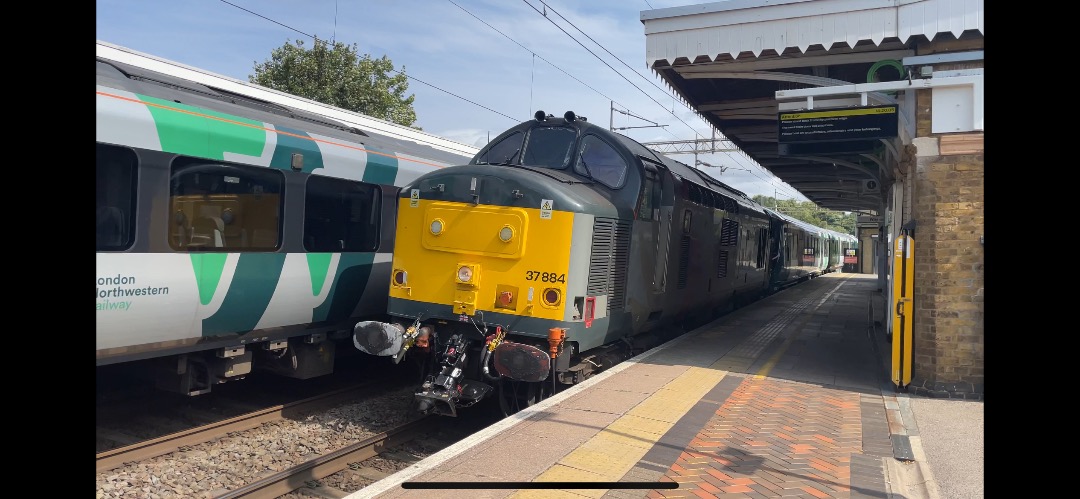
613	451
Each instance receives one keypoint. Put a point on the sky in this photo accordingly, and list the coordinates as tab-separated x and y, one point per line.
476	67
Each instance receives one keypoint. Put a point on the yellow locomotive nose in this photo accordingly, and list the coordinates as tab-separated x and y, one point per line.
467	259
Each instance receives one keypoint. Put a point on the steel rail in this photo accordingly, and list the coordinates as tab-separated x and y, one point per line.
114	458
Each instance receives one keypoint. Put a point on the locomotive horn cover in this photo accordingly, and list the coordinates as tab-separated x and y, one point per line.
378	338
522	362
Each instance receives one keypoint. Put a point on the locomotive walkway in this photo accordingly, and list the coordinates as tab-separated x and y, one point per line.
787	397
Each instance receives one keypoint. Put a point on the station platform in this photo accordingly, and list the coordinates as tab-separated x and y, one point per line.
786	397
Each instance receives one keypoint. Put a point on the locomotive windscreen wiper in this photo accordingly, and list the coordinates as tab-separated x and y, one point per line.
507	161
585	166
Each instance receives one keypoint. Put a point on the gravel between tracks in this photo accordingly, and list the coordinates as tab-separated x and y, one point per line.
236	460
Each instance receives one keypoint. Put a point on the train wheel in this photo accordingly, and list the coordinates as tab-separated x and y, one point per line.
517	395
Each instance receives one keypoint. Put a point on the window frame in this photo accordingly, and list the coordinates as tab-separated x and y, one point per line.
579	165
184	164
129	215
374	214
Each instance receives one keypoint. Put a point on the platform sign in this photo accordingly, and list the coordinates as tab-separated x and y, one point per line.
850	257
835	125
903	273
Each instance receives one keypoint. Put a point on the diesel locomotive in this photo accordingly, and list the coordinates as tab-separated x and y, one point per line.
562	248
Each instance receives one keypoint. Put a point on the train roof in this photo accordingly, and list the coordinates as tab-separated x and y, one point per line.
694	175
132	68
796	222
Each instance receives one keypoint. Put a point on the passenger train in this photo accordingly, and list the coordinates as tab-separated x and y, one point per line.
562	248
239	227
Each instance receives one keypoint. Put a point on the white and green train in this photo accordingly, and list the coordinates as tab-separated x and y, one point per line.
239	227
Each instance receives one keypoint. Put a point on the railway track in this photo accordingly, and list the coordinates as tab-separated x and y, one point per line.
323	446
281	483
154	447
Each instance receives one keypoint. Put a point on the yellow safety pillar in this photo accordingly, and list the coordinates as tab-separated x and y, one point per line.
903	269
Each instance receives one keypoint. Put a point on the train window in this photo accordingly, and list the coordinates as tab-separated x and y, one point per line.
549	147
116	177
340	215
600	161
224	207
504	152
650	198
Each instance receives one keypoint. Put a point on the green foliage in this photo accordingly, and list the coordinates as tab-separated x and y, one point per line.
339	76
842	222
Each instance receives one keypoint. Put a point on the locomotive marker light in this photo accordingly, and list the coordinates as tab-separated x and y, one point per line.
551	297
464	274
437	226
506	233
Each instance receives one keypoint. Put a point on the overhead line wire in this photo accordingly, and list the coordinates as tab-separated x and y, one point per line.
530	51
394	70
598	44
616	71
316	39
605	63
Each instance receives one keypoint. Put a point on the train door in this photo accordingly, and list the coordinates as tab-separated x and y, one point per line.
656	183
776	252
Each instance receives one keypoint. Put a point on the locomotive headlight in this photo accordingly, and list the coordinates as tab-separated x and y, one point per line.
437	226
464	273
506	233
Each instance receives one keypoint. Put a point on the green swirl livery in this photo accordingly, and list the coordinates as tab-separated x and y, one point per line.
239	227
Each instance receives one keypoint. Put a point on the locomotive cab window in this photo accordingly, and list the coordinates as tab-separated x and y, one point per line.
648	208
549	147
340	215
116	176
506	151
597	159
222	207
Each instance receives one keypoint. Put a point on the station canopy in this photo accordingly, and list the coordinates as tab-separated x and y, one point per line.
727	60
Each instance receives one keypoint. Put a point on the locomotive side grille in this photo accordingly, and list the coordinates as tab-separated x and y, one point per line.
721	265
729	232
684	260
609	261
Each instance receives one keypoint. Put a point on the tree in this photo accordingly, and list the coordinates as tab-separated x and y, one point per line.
339	76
